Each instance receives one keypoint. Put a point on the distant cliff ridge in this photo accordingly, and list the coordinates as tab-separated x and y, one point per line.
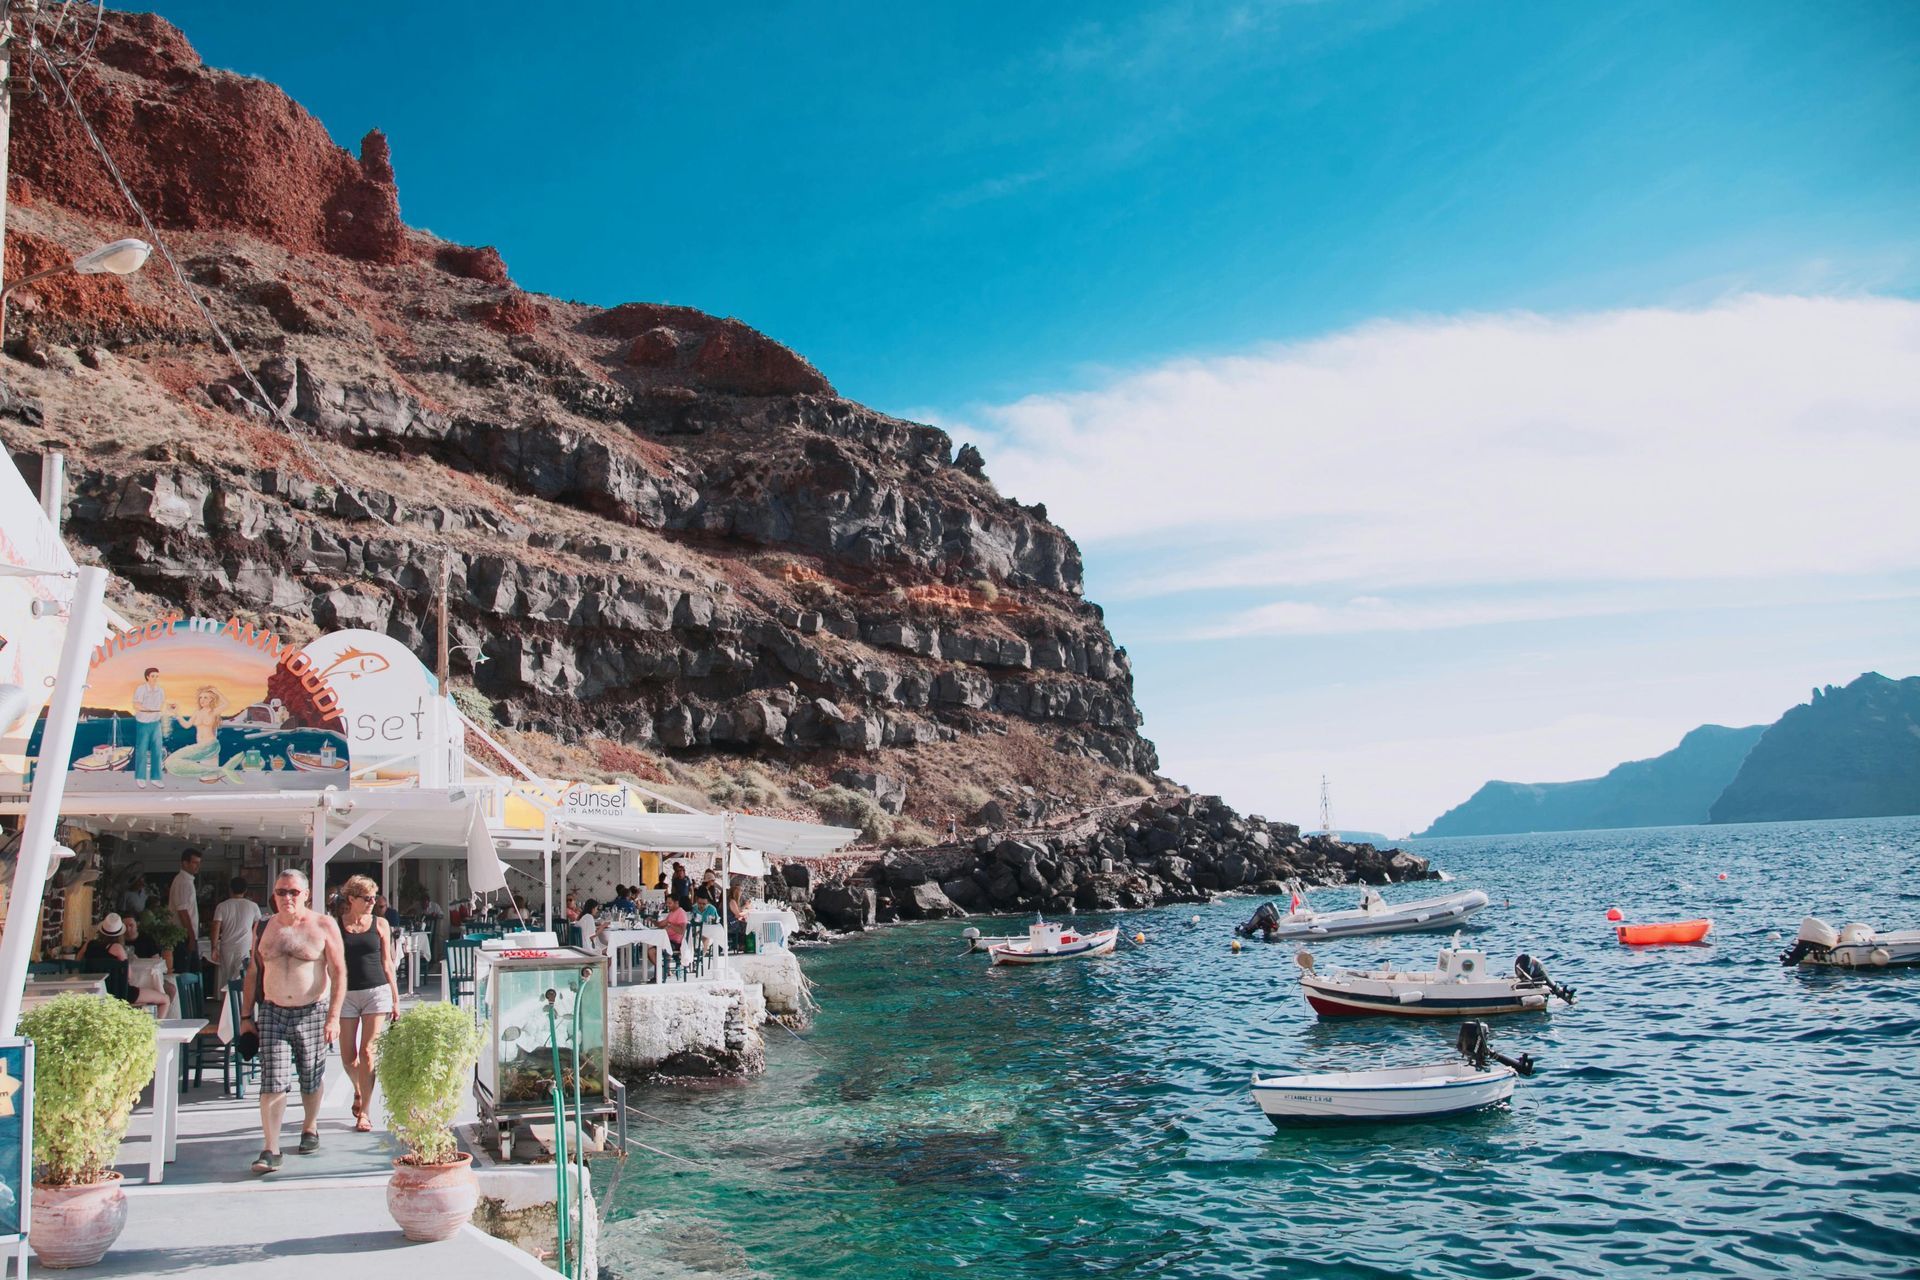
1674	789
1851	752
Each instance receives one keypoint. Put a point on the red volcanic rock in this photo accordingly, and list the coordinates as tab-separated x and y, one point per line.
483	264
657	348
517	314
719	355
205	149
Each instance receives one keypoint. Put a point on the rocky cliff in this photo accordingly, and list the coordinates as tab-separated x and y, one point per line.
1672	789
664	531
673	552
1849	752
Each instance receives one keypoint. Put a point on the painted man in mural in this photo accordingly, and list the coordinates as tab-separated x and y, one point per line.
149	724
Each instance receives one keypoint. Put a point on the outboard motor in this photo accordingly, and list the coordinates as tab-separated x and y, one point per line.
1474	1045
1815	939
1527	969
1265	921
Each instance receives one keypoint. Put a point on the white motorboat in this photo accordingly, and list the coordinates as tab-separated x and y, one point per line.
1047	942
1374	915
1460	985
1853	946
1396	1093
982	942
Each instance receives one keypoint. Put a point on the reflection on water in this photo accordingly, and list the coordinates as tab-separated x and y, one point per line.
1700	1112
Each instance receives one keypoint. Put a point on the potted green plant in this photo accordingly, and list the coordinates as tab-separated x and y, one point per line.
425	1069
91	1056
163	929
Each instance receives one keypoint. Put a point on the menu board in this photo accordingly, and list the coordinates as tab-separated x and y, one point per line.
16	1137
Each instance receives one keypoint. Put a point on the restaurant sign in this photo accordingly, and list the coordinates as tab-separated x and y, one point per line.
197	705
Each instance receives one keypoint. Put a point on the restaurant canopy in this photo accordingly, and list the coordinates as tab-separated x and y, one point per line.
745	839
395	823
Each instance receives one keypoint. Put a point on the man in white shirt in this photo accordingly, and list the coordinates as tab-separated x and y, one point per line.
183	899
149	723
233	922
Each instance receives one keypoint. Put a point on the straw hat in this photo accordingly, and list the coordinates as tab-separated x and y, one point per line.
112	926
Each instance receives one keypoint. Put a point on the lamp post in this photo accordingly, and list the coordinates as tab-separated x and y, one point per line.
121	258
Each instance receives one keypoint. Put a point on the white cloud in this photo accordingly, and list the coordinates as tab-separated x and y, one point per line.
1758	438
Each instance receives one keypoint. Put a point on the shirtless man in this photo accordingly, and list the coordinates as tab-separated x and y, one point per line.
303	963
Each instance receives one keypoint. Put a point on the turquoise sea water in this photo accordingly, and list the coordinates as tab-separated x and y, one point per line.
1700	1111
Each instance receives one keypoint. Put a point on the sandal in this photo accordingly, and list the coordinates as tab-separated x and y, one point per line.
361	1123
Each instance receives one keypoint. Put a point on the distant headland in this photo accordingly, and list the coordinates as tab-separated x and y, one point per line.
1852	751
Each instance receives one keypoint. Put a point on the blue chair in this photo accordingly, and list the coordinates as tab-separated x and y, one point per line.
241	1069
460	954
195	1052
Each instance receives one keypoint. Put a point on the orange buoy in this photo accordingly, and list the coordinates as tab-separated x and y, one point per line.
1615	914
1679	931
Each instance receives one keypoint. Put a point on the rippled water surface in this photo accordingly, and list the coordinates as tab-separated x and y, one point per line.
1699	1112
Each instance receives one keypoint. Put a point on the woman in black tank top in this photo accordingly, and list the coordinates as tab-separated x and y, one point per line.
373	992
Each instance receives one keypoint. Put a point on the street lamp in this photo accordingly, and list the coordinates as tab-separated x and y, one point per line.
121	258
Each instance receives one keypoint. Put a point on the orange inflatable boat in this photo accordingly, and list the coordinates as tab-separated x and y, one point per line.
1642	935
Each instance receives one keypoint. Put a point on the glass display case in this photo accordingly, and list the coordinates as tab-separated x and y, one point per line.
514	1078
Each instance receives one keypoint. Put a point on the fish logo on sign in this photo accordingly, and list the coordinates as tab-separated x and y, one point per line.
354	663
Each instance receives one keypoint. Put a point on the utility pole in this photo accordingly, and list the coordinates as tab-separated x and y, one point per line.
446	573
6	117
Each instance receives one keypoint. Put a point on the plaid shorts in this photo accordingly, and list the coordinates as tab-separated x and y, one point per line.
292	1039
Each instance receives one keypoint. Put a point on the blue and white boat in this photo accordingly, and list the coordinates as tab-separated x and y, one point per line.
1396	1093
1046	943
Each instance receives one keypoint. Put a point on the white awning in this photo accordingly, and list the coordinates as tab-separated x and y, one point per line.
708	833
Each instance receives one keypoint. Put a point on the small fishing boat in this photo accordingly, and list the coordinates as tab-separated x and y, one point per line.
1672	933
1460	985
105	758
982	943
1374	915
1853	946
317	761
1396	1093
1047	942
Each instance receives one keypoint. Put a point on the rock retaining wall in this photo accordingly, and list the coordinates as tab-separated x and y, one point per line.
1189	849
704	1027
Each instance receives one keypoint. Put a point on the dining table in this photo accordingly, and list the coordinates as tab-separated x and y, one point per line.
619	939
416	946
169	1035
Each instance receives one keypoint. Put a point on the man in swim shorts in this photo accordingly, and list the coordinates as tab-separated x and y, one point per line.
292	998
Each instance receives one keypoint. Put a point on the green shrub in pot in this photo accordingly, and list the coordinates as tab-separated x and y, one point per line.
91	1057
426	1070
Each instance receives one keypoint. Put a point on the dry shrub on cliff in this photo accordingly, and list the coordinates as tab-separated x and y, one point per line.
908	834
752	789
477	705
971	798
844	807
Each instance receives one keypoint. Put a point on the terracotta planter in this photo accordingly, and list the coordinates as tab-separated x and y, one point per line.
429	1201
75	1226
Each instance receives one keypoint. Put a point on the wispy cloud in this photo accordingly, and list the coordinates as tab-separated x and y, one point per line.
1758	438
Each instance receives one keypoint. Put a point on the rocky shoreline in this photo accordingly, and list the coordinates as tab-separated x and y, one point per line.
1145	853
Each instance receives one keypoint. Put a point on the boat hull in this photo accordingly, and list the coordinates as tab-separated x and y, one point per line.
1428	915
1882	953
1333	1002
1675	933
1096	944
1308	1100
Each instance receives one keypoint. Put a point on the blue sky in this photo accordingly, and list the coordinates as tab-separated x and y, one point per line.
1423	265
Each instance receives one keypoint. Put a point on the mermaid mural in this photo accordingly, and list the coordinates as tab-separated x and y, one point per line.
264	715
199	761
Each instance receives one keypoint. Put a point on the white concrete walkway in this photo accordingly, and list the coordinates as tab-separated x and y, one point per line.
320	1217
